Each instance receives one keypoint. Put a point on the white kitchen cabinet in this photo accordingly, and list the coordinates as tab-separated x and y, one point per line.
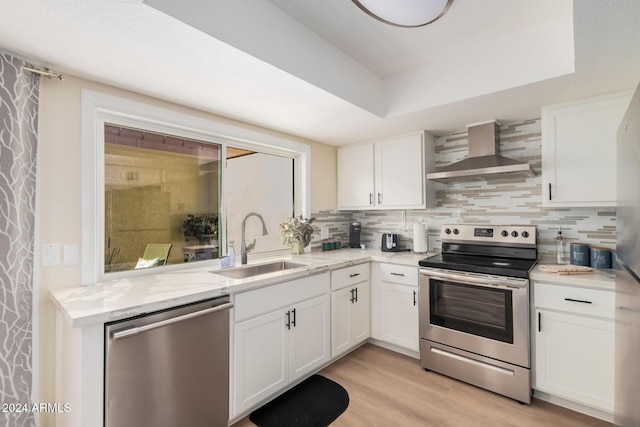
579	151
574	344
395	305
356	188
387	174
350	304
309	336
281	333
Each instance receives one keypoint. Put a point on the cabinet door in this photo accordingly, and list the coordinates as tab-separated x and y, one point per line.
355	177
349	318
574	358
400	175
579	151
260	359
359	315
340	321
399	317
309	343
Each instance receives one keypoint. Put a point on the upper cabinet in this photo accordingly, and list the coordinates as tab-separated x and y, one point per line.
579	151
387	174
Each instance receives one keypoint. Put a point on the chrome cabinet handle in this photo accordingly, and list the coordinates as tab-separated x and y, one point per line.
371	198
583	301
288	324
379	198
414	297
397	274
354	275
136	330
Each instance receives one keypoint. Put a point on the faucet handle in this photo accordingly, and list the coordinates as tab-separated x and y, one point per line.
250	246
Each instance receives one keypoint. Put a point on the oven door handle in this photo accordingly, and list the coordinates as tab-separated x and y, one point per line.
490	282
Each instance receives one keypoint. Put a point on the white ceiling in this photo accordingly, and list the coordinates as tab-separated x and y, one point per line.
324	70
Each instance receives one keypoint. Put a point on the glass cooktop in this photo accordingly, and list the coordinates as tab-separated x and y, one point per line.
498	266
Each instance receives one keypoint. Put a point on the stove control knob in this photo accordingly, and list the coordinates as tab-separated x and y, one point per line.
525	234
504	233
448	231
514	233
455	231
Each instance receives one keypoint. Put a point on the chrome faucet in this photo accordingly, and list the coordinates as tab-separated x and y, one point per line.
244	248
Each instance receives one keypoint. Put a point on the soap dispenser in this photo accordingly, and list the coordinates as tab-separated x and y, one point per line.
231	253
560	248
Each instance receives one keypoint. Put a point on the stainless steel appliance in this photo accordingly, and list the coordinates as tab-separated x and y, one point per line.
484	160
627	347
390	242
354	235
169	368
474	307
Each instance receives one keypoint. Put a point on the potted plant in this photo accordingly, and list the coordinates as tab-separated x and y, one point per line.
296	232
204	228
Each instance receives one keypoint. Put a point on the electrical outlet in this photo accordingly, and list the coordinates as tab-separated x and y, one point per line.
324	232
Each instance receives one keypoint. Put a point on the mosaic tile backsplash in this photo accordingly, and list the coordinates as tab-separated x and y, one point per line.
514	201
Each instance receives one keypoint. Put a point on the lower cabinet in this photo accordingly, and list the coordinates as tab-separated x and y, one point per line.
274	348
349	308
308	336
395	305
574	344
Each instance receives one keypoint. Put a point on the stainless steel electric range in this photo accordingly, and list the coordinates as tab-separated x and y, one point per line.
474	307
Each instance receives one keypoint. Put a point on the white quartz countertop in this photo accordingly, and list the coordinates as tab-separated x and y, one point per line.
127	297
598	279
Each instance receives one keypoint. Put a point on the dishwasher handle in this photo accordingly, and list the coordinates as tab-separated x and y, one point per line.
136	330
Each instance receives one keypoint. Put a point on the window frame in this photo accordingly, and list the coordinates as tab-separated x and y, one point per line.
99	108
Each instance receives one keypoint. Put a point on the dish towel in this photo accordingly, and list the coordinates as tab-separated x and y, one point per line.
566	269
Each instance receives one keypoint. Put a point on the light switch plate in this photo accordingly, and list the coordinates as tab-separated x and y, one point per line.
50	254
70	254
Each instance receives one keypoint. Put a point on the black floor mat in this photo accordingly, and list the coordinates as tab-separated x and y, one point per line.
315	402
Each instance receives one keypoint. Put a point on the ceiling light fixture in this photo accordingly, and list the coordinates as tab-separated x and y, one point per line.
405	13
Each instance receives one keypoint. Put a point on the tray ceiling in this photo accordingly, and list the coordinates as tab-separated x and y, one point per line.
326	71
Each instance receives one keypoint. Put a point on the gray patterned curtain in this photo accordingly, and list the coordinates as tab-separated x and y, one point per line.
19	93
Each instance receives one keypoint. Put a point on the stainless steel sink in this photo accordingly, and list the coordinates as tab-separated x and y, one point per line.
257	270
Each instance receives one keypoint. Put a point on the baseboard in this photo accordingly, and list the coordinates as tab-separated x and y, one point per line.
574	406
401	350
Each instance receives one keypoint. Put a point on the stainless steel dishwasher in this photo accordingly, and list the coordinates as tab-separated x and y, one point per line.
169	368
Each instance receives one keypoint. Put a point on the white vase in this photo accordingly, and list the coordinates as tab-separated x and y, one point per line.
297	248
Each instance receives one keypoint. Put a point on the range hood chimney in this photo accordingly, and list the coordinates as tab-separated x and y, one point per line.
483	161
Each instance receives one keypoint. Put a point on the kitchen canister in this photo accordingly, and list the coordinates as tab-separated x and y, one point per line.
600	258
579	254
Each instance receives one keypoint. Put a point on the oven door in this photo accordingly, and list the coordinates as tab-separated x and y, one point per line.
483	314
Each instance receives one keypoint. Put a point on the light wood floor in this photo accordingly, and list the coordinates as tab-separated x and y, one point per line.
392	390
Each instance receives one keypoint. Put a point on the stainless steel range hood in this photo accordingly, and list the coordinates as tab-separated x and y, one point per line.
484	161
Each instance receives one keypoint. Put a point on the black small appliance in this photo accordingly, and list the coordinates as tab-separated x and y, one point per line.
354	235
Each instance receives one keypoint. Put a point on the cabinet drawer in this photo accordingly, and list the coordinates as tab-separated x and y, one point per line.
404	274
349	276
263	300
592	302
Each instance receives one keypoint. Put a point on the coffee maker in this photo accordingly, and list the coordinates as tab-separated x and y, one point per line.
354	235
